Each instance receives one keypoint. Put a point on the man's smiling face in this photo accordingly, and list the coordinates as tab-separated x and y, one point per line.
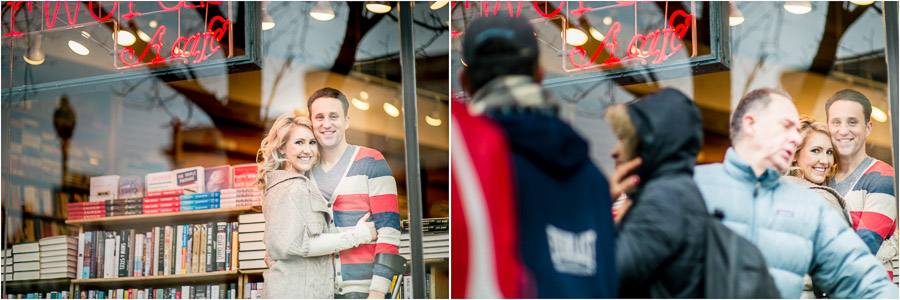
329	121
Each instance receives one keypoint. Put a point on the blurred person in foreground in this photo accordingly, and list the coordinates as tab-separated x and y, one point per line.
565	227
794	228
486	260
866	183
657	256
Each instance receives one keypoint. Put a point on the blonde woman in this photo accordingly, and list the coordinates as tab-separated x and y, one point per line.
299	235
811	167
813	164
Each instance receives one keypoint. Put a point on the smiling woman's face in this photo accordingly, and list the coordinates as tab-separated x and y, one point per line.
301	149
816	157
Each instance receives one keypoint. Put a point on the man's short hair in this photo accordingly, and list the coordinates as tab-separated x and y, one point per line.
327	92
851	95
754	100
498	46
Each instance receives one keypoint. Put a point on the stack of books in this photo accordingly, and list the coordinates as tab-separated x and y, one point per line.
124	207
250	236
87	210
7	265
26	261
160	202
240	197
59	257
435	239
199	201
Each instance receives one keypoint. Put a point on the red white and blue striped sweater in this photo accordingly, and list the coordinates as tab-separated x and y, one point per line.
873	208
366	186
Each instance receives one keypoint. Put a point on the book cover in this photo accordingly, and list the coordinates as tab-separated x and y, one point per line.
167	256
243	176
129	253
26	257
195	250
200	196
159	181
245	190
252	227
131	187
190	179
252	264
25	247
250	237
180	248
251	218
92	244
234	246
80	264
109	255
211	247
138	257
228	245
218	178
159	237
220	246
204	245
165	194
104	188
55	240
253	246
48	255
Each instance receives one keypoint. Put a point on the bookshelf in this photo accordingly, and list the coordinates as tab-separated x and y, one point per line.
160	280
29	286
166	218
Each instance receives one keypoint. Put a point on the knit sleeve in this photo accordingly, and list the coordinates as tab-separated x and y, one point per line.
876	221
285	228
386	213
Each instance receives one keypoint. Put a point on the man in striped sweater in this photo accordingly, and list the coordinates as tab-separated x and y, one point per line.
867	184
354	180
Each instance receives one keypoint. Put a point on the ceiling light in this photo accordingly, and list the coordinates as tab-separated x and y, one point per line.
34	55
378	7
435	5
861	3
360	104
124	38
879	115
77	47
391	110
267	21
798	7
607	20
364	95
596	34
153	24
322	11
735	16
575	37
143	36
433	121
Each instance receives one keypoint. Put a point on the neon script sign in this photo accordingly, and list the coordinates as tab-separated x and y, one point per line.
652	47
176	47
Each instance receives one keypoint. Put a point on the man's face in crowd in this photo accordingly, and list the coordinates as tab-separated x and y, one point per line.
848	127
776	132
329	121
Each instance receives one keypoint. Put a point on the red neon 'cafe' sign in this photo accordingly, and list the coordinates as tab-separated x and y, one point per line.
198	46
657	46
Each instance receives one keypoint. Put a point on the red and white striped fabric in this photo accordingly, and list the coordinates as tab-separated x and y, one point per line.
485	249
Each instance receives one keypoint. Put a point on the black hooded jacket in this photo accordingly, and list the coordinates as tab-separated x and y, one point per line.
661	241
566	231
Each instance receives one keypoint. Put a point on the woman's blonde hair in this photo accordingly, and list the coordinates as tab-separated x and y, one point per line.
268	157
809	125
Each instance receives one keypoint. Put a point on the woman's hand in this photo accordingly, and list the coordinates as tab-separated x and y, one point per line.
370	225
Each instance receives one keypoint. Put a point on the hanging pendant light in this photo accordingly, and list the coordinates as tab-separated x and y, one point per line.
735	16
267	21
798	7
323	11
862	3
575	36
124	38
378	7
79	48
878	115
435	5
34	55
391	109
597	34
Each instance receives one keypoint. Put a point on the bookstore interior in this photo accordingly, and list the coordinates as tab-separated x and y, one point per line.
130	132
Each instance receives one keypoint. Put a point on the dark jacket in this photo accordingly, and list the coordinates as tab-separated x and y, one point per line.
661	238
565	213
